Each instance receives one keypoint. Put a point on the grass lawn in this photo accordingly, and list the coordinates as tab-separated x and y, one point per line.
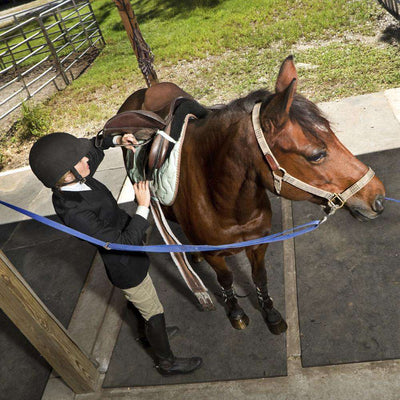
218	50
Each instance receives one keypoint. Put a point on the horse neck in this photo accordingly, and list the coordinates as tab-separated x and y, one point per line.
210	139
220	143
230	158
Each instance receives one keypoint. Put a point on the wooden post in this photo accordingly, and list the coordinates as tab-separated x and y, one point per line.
44	331
140	47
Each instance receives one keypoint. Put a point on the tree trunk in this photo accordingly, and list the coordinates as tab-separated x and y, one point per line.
140	47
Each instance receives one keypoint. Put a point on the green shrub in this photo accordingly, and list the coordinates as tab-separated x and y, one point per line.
35	121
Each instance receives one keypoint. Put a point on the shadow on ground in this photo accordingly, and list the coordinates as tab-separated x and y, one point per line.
391	34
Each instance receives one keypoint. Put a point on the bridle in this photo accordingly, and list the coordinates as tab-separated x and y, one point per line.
334	200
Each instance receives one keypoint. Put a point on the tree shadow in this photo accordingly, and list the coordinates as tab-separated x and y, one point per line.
166	9
170	8
103	12
391	34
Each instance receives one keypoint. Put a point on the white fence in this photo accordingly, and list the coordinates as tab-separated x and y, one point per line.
43	46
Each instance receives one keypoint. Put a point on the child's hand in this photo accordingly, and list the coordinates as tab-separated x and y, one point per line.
128	140
142	193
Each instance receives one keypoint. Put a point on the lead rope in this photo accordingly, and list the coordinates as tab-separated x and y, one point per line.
202	294
390	199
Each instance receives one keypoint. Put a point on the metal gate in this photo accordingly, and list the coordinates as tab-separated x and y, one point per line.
393	6
41	46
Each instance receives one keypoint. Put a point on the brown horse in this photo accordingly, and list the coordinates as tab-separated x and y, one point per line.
224	175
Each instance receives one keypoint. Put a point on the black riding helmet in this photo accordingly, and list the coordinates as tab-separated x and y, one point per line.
54	155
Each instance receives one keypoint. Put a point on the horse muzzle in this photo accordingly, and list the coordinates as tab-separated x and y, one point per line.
359	211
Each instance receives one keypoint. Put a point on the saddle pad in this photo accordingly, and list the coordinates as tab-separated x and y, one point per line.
166	179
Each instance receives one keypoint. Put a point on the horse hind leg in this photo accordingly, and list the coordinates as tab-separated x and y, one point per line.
235	313
274	320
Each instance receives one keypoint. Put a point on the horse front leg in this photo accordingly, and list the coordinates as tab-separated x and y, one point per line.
276	324
235	313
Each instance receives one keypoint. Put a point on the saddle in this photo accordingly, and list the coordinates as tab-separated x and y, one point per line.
145	125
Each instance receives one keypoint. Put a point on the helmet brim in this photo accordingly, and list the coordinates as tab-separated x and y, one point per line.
86	146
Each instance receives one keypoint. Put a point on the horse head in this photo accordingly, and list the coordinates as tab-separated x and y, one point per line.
303	145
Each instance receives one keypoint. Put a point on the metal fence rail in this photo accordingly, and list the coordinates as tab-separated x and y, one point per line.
41	46
393	6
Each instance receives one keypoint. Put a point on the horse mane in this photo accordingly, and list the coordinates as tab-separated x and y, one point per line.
303	111
308	116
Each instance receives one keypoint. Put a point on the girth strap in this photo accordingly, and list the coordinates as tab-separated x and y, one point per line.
192	280
335	200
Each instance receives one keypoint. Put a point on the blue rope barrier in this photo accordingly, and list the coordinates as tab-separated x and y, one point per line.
277	237
390	199
171	248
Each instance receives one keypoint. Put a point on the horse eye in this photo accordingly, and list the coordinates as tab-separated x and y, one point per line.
317	157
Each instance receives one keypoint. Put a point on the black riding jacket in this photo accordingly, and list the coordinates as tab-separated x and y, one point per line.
96	213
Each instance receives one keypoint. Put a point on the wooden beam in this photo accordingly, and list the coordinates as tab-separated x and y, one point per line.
140	47
44	331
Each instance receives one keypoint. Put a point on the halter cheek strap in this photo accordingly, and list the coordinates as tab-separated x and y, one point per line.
334	200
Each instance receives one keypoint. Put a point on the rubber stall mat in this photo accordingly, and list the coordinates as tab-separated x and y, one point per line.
227	353
348	279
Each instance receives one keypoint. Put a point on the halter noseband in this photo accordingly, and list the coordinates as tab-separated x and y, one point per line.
335	200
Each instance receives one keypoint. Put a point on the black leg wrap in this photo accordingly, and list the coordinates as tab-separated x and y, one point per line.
263	298
235	313
276	324
228	294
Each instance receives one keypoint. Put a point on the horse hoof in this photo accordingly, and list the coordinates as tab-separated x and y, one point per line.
276	324
277	329
239	322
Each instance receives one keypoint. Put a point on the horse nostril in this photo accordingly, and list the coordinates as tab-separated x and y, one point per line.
378	204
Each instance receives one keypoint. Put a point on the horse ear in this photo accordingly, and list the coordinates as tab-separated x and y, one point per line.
277	110
286	75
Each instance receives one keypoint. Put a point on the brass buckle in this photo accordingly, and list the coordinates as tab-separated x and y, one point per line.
335	203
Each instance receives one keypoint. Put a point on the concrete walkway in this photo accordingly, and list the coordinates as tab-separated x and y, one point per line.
364	124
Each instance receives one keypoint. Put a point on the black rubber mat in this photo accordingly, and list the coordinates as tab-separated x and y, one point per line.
6	231
348	279
227	353
55	266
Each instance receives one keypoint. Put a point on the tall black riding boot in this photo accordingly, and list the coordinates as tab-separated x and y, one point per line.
166	362
172	331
